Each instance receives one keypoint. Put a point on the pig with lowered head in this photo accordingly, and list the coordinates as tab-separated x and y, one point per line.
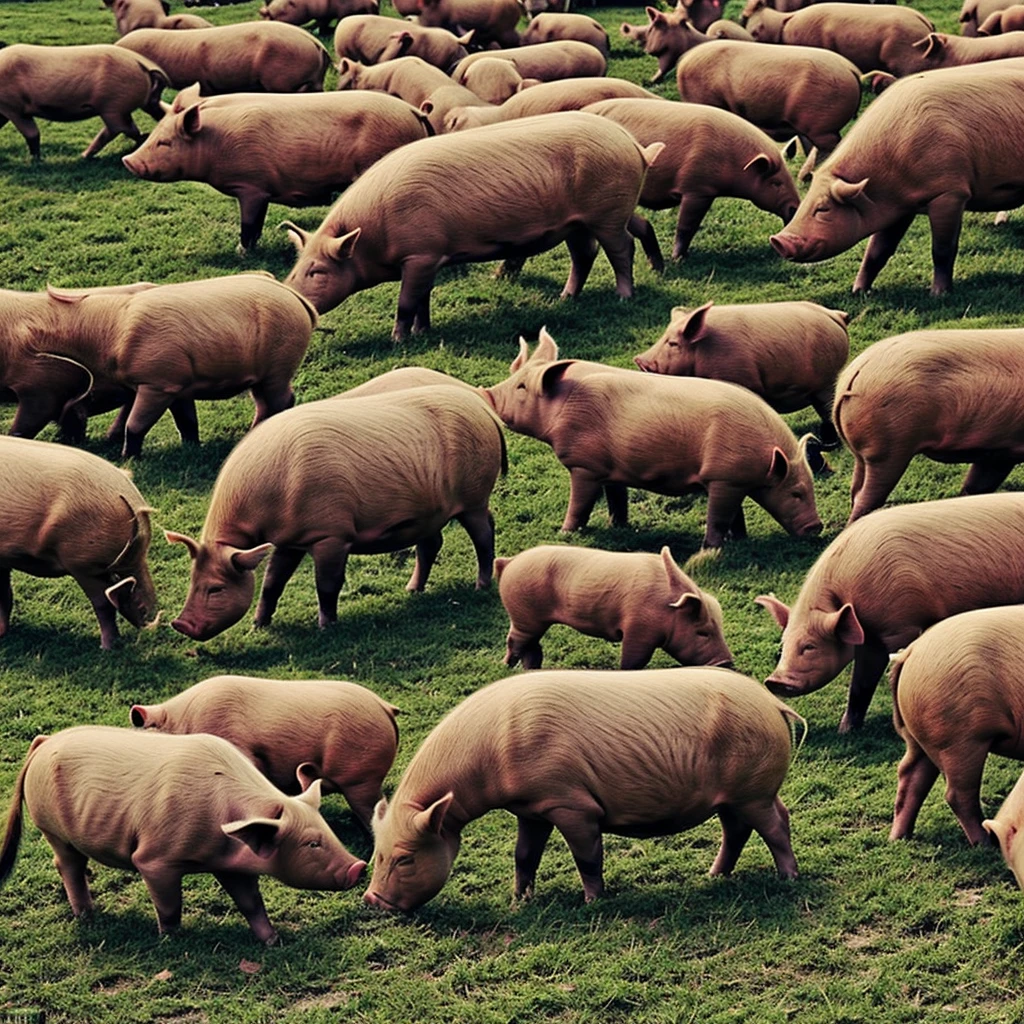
494	80
887	578
362	37
546	28
169	806
585	752
493	21
614	429
73	514
436	46
295	731
1005	827
397	220
409	78
915	150
334	478
546	62
323	12
644	600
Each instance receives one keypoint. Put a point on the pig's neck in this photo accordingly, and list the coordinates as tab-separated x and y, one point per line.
85	329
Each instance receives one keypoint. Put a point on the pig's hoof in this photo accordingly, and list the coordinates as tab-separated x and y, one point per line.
848	724
273	939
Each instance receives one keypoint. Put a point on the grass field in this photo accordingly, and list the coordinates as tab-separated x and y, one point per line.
925	930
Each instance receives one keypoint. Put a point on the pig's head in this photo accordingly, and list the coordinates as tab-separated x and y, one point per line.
702	12
460	118
129	586
788	492
638	33
675	352
767	183
222	585
1006	833
148	716
763	22
413	854
696	636
279	10
431	13
349	73
174	148
817	644
668	36
492	79
325	273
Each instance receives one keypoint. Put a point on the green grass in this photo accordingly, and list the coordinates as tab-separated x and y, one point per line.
923	930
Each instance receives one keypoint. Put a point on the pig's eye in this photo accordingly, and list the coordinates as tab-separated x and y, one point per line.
163	142
404	862
799	495
215	590
806	649
314	844
520	387
818	210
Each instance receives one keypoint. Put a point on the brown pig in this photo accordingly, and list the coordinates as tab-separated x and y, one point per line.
546	62
436	46
72	83
322	143
323	12
334	478
169	806
1009	20
668	37
263	56
546	28
702	13
708	153
69	513
957	697
974	12
914	150
789	353
887	578
955	396
645	601
294	731
397	220
493	21
616	429
938	50
648	753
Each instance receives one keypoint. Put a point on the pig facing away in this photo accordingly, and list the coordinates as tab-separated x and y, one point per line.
645	601
887	578
69	513
170	806
958	695
321	142
409	78
587	753
708	153
294	731
493	21
252	56
397	220
323	12
789	353
132	14
615	429
72	83
955	396
436	46
333	478
915	150
546	28
1009	20
974	12
546	62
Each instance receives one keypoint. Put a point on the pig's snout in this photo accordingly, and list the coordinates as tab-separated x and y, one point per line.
355	874
190	629
796	248
810	530
644	364
724	663
372	899
781	689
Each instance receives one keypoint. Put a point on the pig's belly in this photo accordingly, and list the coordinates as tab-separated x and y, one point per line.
400	535
679	822
493	249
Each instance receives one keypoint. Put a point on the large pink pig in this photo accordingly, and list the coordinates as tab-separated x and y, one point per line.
493	21
974	12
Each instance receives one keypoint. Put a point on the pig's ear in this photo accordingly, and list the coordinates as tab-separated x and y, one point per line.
181	538
404	41
465	40
764	165
261	835
779	611
779	466
307	773
167	8
691	605
246	561
296	234
344	66
846	193
119	594
139	716
499	566
340	249
846	626
654	15
311	794
546	350
380	809
191	122
552	376
677	580
427	107
522	359
694	326
930	44
997	829
431	819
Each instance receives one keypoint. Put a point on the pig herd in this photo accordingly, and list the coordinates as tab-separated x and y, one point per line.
457	97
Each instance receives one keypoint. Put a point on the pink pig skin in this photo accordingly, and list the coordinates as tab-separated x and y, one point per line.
323	12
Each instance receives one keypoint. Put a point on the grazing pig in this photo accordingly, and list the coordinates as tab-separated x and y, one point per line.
887	578
249	57
645	601
294	731
1009	20
544	61
616	429
708	153
322	143
438	106
938	50
493	21
546	28
493	80
169	806
769	86
723	29
363	37
72	83
361	476
132	14
1006	826
323	12
644	754
915	150
975	12
668	37
69	513
789	353
407	78
586	177
957	697
436	46
955	396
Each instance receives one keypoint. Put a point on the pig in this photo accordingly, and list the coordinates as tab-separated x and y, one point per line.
668	37
587	177
70	513
957	697
770	86
322	142
708	153
643	754
939	50
360	476
178	342
294	731
701	13
611	428
132	14
535	7
1005	827
408	78
546	62
72	83
974	13
1009	20
914	149
789	353
545	28
436	46
323	12
950	395
441	103
875	38
723	29
168	806
362	37
248	57
184	21
645	601
402	378
888	577
493	80
493	21
635	33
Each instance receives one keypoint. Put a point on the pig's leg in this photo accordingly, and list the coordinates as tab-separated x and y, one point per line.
164	890
636	653
582	246
738	530
584	490
271	397
329	559
186	419
828	436
34	411
692	211
245	891
29	130
619	248
479	524
987	474
106	613
113	125
725	500
640	228
531	839
282	565
916	776
120	422
945	214
70	864
579	826
882	245
149	405
964	767
771	823
617	496
426	553
6	600
253	209
735	833
878	480
72	424
869	662
418	274
525	647
362	798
